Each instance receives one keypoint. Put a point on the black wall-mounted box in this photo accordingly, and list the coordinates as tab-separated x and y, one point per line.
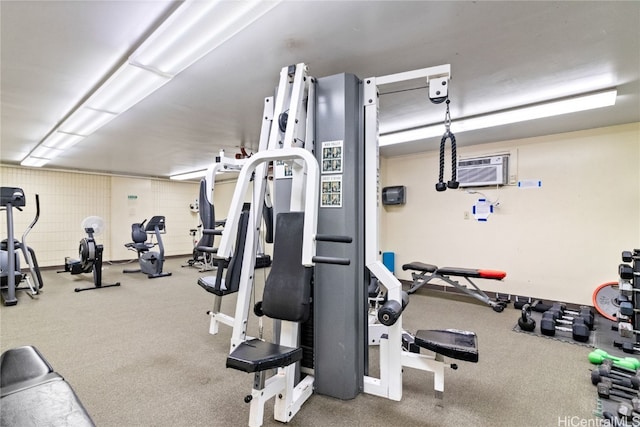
395	195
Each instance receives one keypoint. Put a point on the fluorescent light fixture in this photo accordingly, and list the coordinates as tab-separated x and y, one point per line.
189	175
61	140
193	30
85	120
126	87
35	162
46	152
604	98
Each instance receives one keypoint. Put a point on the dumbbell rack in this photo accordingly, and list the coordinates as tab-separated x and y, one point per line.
628	316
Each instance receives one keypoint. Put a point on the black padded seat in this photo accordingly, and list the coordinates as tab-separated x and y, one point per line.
22	364
32	394
211	285
53	403
454	343
256	355
420	266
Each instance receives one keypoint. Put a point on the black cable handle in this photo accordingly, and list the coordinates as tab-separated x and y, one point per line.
453	183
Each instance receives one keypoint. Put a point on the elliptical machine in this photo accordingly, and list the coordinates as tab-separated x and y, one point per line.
10	272
151	263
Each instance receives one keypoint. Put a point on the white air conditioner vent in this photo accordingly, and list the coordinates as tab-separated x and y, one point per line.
482	171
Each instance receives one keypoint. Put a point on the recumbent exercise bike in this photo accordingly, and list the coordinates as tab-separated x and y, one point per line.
151	262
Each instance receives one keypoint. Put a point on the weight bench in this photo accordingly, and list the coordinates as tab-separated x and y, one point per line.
425	273
32	394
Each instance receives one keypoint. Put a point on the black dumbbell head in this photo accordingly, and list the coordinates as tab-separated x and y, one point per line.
580	330
548	326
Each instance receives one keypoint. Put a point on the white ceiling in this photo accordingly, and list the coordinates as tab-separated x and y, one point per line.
502	54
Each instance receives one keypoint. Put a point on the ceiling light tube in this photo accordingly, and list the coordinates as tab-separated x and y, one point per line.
46	152
189	175
34	162
195	29
126	87
589	101
84	121
61	140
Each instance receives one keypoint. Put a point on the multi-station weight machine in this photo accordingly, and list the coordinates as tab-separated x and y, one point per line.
321	137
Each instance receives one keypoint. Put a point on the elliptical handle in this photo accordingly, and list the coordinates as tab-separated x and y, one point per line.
37	217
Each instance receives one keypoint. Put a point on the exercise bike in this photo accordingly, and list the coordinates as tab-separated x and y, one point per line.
90	254
10	273
151	262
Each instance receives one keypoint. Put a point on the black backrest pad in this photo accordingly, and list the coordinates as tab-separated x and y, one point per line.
138	235
207	216
232	279
287	291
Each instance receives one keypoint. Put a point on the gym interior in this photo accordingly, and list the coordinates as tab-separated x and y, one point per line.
349	246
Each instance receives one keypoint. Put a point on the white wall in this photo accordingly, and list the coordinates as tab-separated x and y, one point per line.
66	198
558	242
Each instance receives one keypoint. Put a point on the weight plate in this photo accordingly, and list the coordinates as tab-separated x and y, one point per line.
605	300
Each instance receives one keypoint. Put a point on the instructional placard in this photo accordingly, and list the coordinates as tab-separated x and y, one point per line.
332	156
283	170
331	191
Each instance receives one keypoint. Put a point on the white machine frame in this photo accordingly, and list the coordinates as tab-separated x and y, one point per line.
392	356
278	145
275	146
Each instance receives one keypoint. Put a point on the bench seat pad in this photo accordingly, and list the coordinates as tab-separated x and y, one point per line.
420	266
454	343
472	272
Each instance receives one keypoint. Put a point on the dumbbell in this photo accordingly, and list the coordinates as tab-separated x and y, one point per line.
607	391
561	312
525	322
628	256
628	384
625	271
599	356
625	329
627	347
625	411
607	369
625	307
620	365
579	329
628	404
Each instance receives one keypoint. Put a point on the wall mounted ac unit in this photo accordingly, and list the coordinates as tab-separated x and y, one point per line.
482	171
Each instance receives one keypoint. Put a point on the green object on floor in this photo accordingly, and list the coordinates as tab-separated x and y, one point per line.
597	356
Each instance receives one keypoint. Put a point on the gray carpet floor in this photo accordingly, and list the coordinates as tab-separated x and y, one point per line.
141	355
